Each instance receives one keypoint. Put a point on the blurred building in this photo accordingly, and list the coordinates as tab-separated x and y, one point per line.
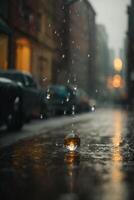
130	54
102	61
53	40
34	42
81	45
5	34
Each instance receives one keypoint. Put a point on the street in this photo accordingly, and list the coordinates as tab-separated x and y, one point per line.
34	165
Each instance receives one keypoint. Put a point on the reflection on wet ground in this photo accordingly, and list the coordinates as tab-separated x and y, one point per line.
103	168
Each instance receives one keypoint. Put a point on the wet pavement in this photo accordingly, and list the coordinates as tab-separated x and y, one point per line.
39	167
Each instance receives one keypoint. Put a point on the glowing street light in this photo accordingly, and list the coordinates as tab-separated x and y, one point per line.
118	64
117	81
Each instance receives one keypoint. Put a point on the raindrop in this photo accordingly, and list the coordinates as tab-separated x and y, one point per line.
65	112
75	87
41	116
67	100
88	55
92	108
73	107
56	144
48	96
72	41
68	81
72	142
63	56
73	112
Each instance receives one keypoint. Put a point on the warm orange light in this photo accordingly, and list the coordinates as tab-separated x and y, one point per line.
118	64
23	60
3	51
117	81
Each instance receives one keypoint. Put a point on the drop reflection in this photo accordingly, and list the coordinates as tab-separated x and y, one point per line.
72	160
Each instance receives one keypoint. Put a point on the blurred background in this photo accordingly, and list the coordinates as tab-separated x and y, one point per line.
88	43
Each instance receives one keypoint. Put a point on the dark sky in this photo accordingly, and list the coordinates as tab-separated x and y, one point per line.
113	14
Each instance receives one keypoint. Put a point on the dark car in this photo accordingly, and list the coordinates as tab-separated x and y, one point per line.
10	104
59	100
32	105
81	100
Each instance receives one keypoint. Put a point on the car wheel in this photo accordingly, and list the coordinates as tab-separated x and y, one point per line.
15	120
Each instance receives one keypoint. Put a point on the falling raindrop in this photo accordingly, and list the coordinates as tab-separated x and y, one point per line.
88	55
63	56
68	81
48	96
41	116
93	108
75	87
65	112
56	144
72	142
67	100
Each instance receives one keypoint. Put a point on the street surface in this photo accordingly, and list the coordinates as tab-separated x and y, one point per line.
35	166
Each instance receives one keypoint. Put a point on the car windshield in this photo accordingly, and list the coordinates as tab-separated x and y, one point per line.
67	99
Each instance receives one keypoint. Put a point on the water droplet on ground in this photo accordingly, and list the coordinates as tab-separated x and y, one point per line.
72	142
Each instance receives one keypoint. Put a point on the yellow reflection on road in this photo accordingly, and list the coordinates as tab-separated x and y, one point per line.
116	184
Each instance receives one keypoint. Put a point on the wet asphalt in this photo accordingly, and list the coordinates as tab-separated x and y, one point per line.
39	167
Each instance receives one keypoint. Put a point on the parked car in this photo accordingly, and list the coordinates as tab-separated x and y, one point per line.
81	100
31	94
59	100
10	104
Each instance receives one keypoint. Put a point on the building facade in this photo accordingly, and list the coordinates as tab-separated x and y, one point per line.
130	53
35	39
82	41
102	62
5	34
